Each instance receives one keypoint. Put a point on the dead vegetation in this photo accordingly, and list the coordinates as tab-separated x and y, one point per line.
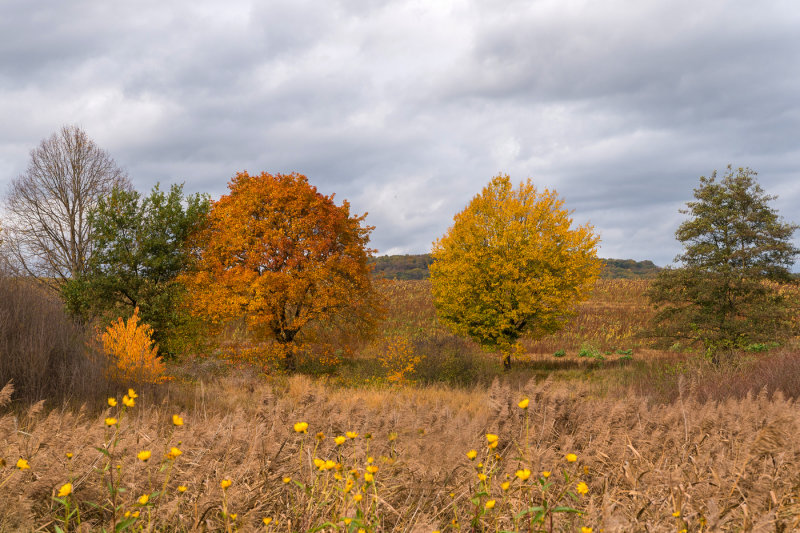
700	466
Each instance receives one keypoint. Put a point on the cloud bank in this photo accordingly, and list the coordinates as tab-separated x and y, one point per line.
408	108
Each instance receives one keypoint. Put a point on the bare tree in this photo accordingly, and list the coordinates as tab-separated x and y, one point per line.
47	232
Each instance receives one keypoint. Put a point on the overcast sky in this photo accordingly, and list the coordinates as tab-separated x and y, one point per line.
408	108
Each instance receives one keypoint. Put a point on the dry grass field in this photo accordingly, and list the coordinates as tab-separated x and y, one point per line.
711	466
660	441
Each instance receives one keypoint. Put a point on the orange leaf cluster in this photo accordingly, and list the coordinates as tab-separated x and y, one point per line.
130	347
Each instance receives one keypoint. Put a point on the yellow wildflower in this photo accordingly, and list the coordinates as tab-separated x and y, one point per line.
490	504
482	476
111	421
491	437
267	520
301	427
524	403
287	479
173	453
676	514
143	455
472	454
329	465
22	464
132	394
357	497
370	460
351	434
582	488
546	474
225	483
571	457
112	402
339	440
128	402
585	529
65	490
69	455
368	477
505	485
177	420
143	499
319	463
372	469
182	488
320	436
523	474
392	436
233	516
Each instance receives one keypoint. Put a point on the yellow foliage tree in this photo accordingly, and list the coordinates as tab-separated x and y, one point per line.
133	354
512	264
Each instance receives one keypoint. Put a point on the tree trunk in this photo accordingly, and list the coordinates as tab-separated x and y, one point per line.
289	361
507	362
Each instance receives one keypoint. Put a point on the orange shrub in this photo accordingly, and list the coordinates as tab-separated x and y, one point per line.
133	354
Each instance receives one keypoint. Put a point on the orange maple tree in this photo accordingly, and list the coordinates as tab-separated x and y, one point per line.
280	256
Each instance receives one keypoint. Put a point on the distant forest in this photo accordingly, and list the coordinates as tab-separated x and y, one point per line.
416	267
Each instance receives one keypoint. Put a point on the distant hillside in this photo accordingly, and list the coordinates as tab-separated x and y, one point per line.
402	266
416	267
629	269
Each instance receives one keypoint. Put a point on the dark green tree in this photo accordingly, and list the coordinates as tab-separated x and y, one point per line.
726	293
140	246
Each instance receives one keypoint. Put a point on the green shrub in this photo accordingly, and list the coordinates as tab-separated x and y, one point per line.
761	346
560	353
587	350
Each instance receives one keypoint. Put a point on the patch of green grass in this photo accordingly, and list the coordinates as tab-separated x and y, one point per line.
587	350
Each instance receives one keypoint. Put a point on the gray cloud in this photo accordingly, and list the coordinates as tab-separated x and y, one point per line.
408	108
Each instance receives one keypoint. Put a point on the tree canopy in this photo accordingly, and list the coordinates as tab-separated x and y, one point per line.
726	293
279	255
47	230
140	248
512	264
